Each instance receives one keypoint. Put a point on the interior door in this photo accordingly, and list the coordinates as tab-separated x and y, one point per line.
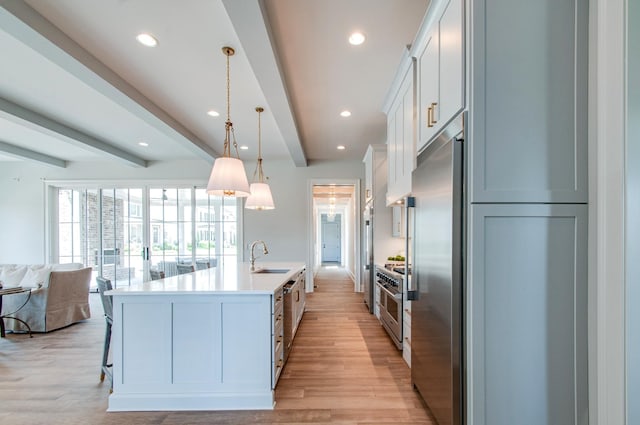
331	239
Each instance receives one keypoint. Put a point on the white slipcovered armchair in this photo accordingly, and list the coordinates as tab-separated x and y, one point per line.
59	295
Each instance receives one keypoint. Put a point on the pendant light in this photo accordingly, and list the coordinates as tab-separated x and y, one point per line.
228	177
260	198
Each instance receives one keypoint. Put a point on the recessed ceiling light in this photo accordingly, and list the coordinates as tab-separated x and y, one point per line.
143	144
244	147
357	38
345	113
213	113
341	147
147	39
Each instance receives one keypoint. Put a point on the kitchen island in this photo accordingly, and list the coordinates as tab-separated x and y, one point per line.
206	340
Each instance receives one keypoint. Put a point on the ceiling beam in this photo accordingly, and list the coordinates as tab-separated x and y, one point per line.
42	124
22	22
22	153
252	28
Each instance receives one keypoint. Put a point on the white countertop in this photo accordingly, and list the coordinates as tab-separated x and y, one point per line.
224	279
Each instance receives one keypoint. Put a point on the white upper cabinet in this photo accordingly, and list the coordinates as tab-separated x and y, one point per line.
528	101
440	53
375	173
397	221
368	174
427	92
401	136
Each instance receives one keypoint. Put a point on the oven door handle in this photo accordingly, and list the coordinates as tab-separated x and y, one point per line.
395	296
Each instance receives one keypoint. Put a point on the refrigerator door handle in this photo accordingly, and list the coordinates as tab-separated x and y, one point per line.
411	276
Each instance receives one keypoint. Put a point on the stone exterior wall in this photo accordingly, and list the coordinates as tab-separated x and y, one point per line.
112	227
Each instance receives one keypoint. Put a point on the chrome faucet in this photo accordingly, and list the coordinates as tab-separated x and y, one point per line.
252	259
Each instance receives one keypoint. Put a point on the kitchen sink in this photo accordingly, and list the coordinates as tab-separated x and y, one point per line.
274	271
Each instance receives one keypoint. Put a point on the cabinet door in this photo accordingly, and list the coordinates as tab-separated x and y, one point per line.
368	174
406	157
529	101
429	97
399	145
527	298
451	54
397	221
391	155
401	140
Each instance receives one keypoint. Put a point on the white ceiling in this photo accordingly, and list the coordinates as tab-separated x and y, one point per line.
76	86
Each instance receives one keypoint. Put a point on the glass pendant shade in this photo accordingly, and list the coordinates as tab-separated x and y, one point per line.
260	198
228	178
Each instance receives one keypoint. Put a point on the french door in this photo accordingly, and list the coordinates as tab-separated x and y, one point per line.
123	232
187	226
102	228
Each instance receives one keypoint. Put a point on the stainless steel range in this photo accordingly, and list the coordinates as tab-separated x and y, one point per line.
390	285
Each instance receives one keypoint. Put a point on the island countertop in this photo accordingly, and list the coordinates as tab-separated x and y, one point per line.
225	279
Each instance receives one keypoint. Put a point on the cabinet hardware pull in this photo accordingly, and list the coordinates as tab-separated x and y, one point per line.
429	117
408	311
433	113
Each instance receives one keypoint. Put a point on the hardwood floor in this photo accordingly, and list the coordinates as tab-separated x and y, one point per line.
343	369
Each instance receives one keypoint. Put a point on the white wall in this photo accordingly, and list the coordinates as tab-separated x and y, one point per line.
22	191
21	219
350	238
285	229
22	187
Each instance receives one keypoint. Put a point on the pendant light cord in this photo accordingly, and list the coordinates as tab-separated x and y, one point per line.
258	170
228	51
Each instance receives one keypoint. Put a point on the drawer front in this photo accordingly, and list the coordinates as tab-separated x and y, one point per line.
277	332
278	363
406	343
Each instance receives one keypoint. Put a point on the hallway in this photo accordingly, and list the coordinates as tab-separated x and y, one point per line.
343	363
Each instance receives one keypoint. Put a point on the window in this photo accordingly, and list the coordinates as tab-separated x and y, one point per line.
107	229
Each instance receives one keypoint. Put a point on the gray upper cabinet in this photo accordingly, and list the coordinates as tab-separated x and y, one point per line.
528	97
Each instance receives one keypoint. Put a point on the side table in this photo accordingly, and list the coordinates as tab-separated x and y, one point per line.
3	316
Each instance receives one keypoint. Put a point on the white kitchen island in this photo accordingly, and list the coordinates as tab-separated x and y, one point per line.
207	340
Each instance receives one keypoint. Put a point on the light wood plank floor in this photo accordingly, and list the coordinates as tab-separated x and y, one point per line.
343	369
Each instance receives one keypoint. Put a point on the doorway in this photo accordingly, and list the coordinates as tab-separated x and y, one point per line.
334	227
331	226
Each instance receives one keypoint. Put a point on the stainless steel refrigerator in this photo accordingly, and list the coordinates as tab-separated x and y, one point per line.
435	220
367	256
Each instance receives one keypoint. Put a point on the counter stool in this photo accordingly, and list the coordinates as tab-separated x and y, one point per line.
185	268
156	274
107	303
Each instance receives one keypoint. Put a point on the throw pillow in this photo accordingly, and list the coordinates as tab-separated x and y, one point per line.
36	277
11	277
